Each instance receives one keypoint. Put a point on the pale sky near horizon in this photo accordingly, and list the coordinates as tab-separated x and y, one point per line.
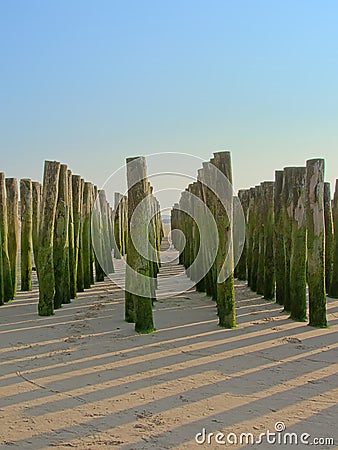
91	83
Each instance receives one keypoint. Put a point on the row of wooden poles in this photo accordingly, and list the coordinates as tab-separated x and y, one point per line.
54	227
143	245
292	241
182	219
72	232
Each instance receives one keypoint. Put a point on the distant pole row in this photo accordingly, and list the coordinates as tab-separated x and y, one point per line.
215	258
292	241
55	227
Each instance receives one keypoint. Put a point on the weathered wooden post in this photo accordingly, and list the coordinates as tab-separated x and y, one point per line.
287	229
97	237
316	241
79	276
13	229
36	214
86	241
71	241
333	291
137	308
298	246
26	202
77	201
2	296
269	268
255	240
328	236
7	277
242	270
225	263
261	240
279	238
61	243
45	254
250	235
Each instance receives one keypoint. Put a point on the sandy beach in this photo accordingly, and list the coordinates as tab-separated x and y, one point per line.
84	379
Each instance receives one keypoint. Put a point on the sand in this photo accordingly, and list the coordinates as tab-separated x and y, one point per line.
83	379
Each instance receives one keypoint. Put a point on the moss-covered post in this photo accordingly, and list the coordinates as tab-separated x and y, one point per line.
77	200
118	214
36	214
316	241
7	276
250	235
138	308
13	229
224	259
241	271
333	291
2	296
261	239
26	248
287	230
279	238
71	241
268	215
298	246
97	238
60	242
255	239
79	277
86	247
46	233
328	236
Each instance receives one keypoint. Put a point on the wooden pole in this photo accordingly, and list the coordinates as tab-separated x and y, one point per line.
333	291
316	241
287	231
268	214
137	308
26	201
298	246
36	213
71	238
242	270
225	289
79	278
60	242
279	238
328	236
46	233
7	277
86	242
13	229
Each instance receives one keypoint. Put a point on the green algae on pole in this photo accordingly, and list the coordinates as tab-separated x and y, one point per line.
79	276
60	242
298	246
7	276
13	228
225	289
261	240
287	230
26	202
86	242
328	236
279	238
2	297
241	271
71	244
36	213
137	308
268	218
97	237
316	241
333	291
46	233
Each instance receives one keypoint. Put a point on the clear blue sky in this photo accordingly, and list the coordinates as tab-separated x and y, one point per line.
92	82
